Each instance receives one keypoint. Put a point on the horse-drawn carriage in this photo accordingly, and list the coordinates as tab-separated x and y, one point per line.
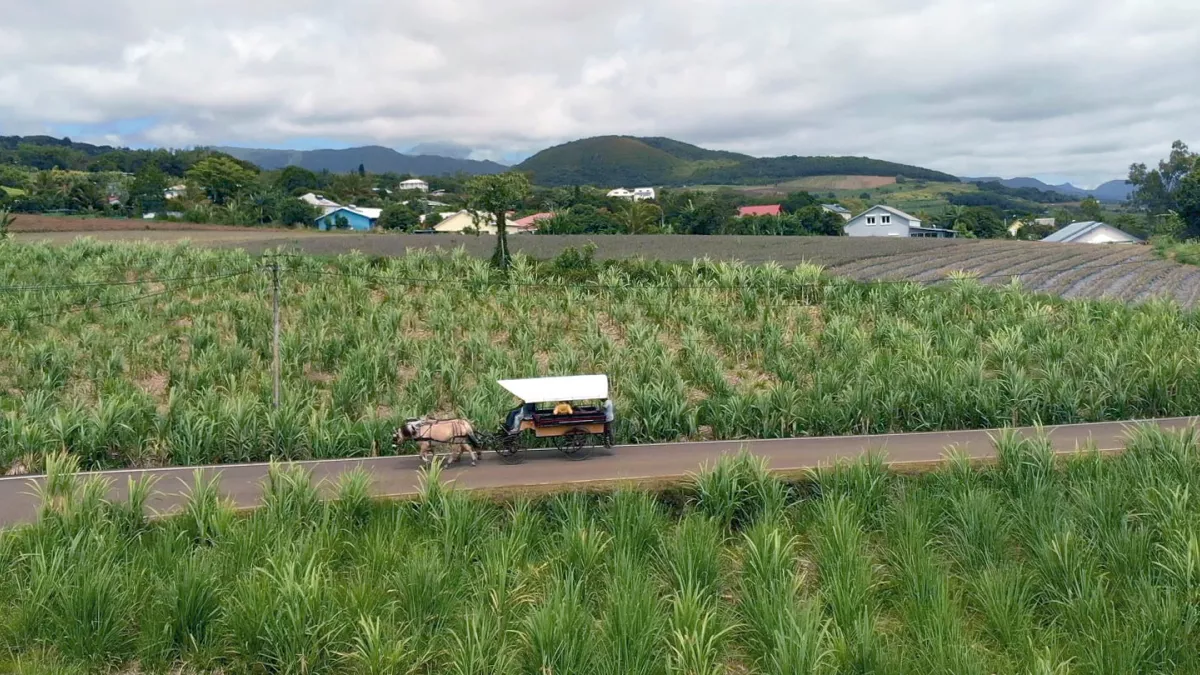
574	414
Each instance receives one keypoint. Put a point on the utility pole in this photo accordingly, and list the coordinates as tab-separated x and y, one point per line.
275	312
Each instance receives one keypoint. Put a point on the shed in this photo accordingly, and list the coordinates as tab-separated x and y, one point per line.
1092	232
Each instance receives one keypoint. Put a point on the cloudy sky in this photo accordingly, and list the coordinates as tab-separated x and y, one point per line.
1059	89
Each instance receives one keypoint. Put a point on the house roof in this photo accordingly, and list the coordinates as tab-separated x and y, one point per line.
767	210
836	208
373	214
551	389
318	200
530	221
1076	230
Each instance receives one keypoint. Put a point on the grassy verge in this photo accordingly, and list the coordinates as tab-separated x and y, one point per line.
1186	252
173	364
1030	565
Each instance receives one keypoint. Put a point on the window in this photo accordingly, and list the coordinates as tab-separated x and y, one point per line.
887	220
870	220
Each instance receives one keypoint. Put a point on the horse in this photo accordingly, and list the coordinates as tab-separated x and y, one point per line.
457	433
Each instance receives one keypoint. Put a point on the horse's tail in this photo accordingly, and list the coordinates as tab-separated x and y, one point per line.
473	438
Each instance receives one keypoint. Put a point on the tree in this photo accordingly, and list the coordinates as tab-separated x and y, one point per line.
1091	209
1188	198
146	191
796	201
496	195
637	217
399	217
6	220
221	178
433	219
295	212
1156	189
362	170
293	179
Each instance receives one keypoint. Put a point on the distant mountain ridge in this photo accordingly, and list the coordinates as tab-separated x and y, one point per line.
615	161
373	158
1112	191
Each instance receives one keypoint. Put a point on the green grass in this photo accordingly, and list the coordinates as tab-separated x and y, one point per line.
12	191
1032	565
702	351
1186	252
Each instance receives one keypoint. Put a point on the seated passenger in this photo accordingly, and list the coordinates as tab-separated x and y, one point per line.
563	409
513	422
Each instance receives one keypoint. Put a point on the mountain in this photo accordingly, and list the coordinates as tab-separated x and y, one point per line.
441	149
1112	191
374	158
611	161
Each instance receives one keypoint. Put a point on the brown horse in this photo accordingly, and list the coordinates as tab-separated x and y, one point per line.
458	434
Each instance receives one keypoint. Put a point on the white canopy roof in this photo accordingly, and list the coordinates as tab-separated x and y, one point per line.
550	389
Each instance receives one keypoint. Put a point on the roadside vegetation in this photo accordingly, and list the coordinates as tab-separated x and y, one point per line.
1033	565
138	355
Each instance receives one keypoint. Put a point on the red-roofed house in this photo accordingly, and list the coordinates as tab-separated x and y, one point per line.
530	222
768	210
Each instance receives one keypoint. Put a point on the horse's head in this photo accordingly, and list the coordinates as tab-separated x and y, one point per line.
404	432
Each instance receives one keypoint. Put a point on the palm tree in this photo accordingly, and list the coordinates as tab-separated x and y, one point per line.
637	217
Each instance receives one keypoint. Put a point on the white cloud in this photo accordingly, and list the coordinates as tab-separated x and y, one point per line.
1065	87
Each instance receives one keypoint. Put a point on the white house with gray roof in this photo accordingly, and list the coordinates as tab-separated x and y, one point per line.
1092	232
885	221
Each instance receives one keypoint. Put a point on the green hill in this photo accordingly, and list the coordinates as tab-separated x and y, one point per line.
611	161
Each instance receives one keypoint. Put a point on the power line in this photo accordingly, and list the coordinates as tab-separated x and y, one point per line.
99	284
128	301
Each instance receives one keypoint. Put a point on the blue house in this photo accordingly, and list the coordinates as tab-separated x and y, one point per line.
356	218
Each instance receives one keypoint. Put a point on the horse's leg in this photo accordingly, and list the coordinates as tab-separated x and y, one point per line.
457	453
424	447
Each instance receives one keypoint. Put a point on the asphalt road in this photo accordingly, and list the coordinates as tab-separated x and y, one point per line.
542	471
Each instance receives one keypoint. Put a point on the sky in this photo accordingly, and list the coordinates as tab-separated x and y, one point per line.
1058	89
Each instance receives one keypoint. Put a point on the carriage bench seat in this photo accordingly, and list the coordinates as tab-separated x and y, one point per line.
549	419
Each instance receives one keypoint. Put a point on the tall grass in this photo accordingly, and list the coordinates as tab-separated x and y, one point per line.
857	570
183	378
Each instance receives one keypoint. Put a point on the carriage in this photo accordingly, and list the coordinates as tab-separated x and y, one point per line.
573	413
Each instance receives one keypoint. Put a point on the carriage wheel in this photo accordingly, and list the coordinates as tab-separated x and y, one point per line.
509	449
576	444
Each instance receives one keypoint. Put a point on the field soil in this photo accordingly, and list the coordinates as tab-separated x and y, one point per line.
26	222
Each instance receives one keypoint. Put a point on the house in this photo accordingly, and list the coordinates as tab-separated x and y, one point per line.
636	194
463	221
175	192
357	218
414	184
1092	232
838	209
885	221
768	210
529	223
326	205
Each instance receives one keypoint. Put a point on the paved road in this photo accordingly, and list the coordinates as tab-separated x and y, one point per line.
398	476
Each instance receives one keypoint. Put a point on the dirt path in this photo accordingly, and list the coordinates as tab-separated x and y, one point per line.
654	465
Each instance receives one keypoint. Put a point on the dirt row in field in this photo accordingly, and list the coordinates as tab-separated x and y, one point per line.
1129	273
36	222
